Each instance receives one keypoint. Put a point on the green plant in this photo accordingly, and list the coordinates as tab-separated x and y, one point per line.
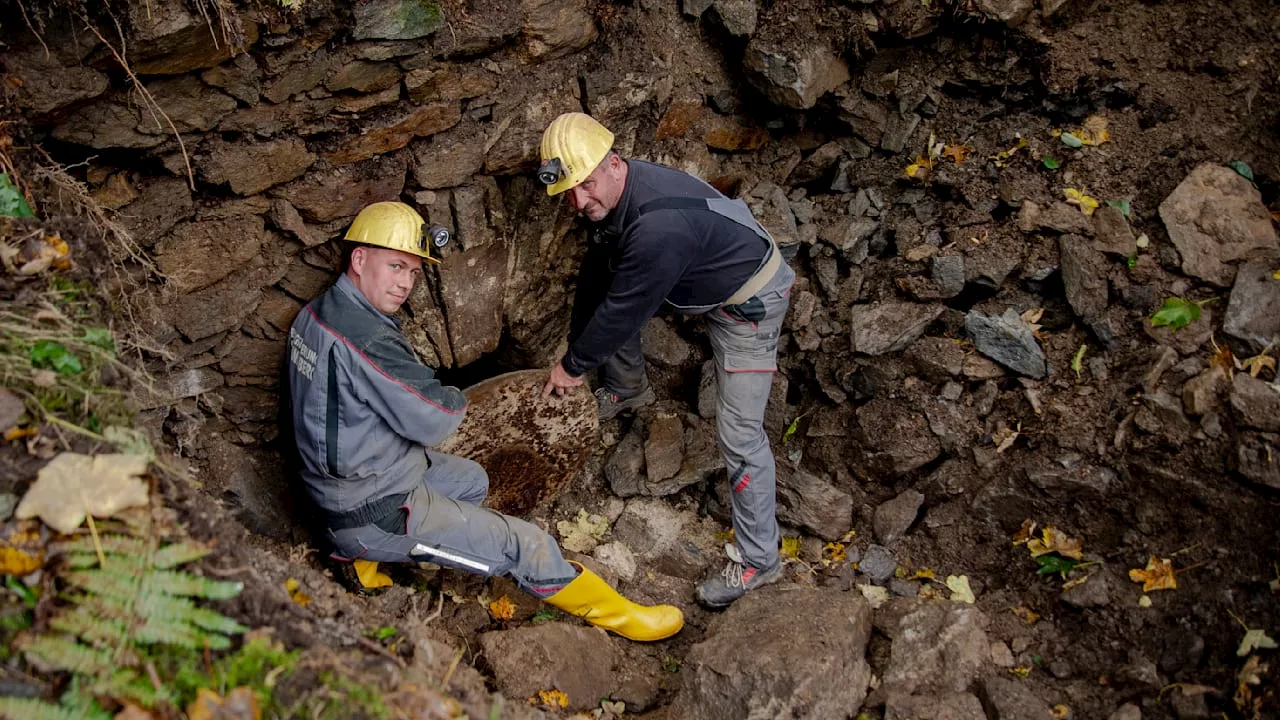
1177	313
124	609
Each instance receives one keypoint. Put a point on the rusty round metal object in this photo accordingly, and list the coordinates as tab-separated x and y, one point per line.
529	446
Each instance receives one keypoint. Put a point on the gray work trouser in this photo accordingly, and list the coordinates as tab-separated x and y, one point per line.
746	357
446	525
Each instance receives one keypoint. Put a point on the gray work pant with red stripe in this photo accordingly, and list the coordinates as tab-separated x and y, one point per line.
746	357
445	524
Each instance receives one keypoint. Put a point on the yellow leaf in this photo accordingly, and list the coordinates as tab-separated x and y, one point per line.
1075	582
958	153
1094	131
791	548
1257	364
17	433
960	591
1061	712
240	704
367	572
72	486
834	552
1054	540
1081	200
925	574
1003	157
553	698
21	547
1144	601
1158	575
1024	533
502	608
1021	671
294	588
1255	639
1027	614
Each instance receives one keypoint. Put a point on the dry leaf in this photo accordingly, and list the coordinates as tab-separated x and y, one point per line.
1222	357
1061	712
1255	639
925	574
1094	131
1158	575
240	704
1024	533
22	547
958	153
583	533
1006	438
1021	671
875	595
294	588
960	591
1028	615
1075	582
921	169
1054	540
18	433
367	573
1257	364
502	608
1144	601
133	712
1251	673
72	486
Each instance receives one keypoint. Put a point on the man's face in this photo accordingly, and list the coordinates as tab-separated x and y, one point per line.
385	276
598	195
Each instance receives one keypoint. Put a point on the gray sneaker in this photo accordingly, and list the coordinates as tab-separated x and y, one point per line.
722	588
609	405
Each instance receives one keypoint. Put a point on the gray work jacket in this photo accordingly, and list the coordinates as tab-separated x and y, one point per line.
364	407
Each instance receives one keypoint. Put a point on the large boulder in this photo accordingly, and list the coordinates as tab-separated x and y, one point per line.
811	503
1253	312
251	168
940	647
794	76
1256	402
1008	340
576	660
899	436
766	673
1216	219
890	326
555	28
397	19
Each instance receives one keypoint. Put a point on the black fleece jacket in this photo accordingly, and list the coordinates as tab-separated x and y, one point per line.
693	260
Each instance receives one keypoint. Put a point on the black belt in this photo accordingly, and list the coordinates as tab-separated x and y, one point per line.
387	513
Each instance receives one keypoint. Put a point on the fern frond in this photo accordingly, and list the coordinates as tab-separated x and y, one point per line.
180	553
182	583
19	708
180	634
91	627
130	685
178	609
64	653
111	544
105	582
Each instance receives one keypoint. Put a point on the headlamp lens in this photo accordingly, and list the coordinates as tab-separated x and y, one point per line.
550	171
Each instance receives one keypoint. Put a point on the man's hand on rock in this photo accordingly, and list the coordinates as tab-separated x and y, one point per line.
560	382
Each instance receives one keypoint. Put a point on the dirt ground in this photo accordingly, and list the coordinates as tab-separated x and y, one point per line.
1181	83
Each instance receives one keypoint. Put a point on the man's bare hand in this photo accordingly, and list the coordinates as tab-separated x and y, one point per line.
560	382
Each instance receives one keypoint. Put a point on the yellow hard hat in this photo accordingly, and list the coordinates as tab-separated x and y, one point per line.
572	146
396	226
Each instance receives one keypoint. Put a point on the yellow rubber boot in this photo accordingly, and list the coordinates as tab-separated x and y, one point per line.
367	572
591	599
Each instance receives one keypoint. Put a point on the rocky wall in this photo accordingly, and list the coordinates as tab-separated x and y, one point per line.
292	119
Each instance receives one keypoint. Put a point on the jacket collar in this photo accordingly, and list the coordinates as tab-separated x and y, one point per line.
345	286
